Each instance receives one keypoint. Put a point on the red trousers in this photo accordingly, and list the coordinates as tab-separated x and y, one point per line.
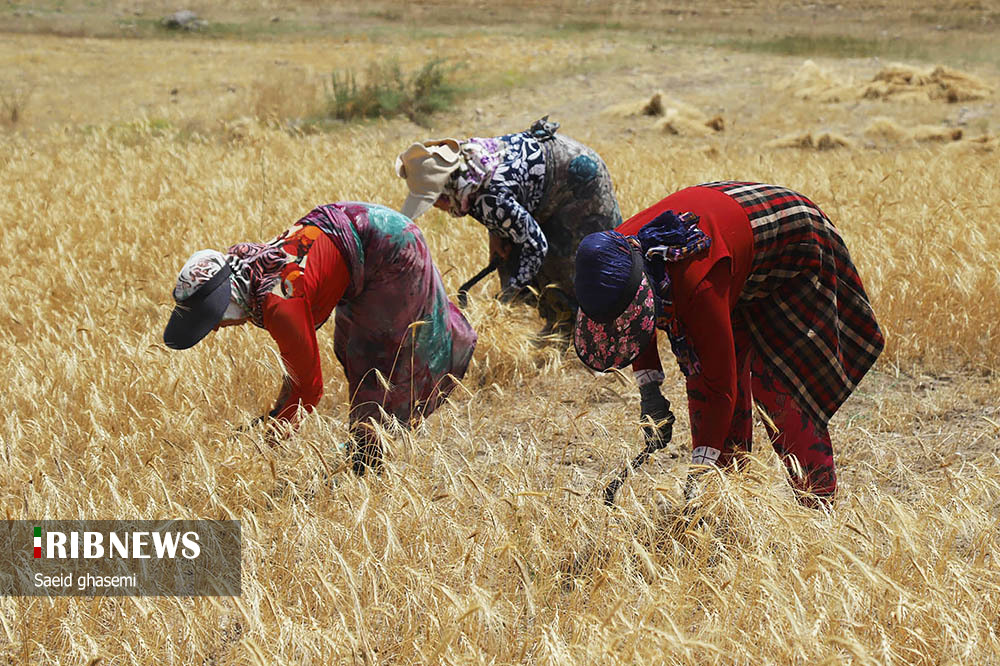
803	445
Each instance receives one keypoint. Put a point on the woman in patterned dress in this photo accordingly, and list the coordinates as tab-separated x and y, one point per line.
757	292
538	192
403	345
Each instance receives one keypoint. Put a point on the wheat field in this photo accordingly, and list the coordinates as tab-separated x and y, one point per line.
485	540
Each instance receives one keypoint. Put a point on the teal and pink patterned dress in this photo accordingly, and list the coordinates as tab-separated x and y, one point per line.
403	345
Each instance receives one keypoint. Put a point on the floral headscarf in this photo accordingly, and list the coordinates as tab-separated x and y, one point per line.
621	321
478	162
617	305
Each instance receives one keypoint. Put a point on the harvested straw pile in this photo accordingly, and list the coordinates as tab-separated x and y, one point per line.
888	131
986	143
905	82
644	107
936	133
677	123
812	82
676	117
897	82
812	141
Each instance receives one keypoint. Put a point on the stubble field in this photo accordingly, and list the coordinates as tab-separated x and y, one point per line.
485	540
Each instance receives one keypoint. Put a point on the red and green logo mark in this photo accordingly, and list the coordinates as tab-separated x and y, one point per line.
38	542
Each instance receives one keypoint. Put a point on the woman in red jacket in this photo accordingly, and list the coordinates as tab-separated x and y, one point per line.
403	345
757	292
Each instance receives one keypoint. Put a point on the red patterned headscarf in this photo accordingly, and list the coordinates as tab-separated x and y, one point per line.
259	268
256	270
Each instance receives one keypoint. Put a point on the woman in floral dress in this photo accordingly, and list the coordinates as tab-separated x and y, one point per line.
538	192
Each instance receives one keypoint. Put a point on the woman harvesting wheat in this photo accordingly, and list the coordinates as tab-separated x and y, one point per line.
401	342
538	192
758	295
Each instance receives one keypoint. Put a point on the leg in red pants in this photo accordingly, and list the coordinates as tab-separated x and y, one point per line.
740	438
803	446
801	443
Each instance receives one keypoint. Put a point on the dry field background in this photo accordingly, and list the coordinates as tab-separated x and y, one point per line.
485	541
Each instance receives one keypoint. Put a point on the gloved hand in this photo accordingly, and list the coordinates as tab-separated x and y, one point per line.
365	447
658	420
507	295
279	404
558	311
277	430
692	487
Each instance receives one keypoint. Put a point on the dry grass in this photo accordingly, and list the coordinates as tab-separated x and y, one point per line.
485	540
812	82
14	100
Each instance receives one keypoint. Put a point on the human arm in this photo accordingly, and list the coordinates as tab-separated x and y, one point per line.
706	318
290	323
505	217
658	420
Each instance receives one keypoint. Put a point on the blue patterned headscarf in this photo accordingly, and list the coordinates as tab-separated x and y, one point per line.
667	238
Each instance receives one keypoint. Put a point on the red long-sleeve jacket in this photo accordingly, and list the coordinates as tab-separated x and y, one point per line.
292	322
705	288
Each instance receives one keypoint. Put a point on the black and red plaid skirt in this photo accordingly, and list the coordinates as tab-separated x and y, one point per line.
803	302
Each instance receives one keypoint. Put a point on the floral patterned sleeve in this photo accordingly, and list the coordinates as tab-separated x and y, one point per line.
501	212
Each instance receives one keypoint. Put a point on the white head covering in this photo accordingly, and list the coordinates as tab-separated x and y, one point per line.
200	268
197	270
426	168
202	295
